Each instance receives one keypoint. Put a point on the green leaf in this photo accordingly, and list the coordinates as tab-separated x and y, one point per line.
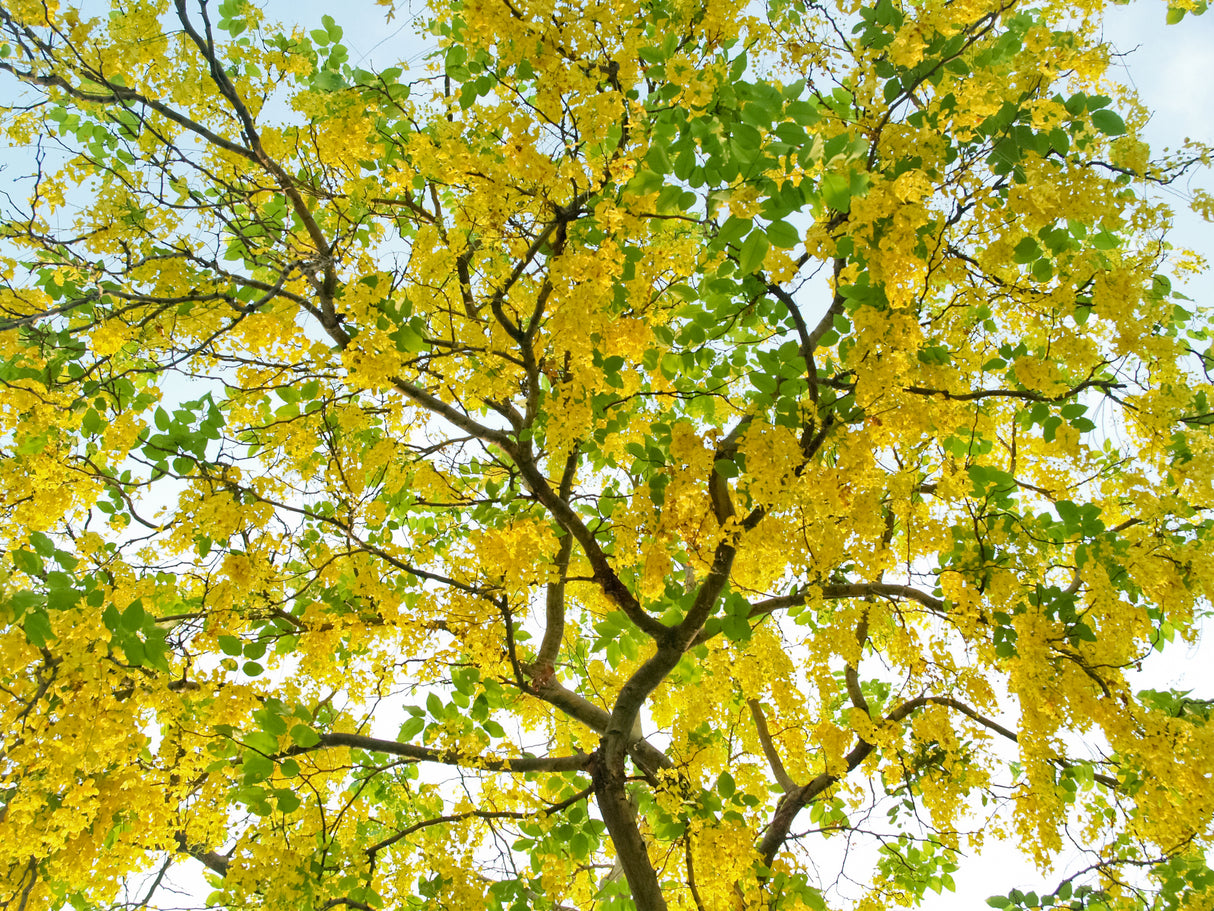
288	801
493	729
28	562
782	234
1026	251
736	628
59	599
1076	104
726	468
411	728
1068	512
734	229
305	736
328	81
262	741
271	722
434	705
37	627
1108	122
1049	430
256	767
134	616
754	251
764	382
42	544
133	649
836	191
254	650
670	199
658	159
804	113
33	443
645	182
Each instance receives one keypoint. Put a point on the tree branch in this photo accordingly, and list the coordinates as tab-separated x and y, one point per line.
554	597
476	814
769	748
560	510
212	860
574	763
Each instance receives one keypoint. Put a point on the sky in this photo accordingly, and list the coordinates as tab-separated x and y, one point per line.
1172	69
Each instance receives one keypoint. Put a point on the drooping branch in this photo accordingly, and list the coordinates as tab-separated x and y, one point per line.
573	763
125	97
1026	395
565	804
324	249
838	591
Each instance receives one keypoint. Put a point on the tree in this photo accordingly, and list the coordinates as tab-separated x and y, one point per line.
664	454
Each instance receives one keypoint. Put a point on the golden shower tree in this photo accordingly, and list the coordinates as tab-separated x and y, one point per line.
661	454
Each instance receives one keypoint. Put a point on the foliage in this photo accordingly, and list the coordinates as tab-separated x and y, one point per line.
663	454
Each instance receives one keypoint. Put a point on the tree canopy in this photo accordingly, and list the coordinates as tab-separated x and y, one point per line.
651	453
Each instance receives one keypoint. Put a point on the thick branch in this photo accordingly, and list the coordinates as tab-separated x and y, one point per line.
609	776
452	415
212	860
792	803
827	322
612	798
597	718
769	747
834	592
554	601
604	575
1105	385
